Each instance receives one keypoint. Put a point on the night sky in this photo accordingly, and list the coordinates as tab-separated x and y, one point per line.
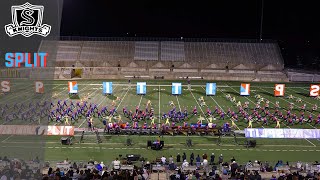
294	24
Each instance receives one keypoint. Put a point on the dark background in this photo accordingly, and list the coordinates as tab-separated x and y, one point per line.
294	24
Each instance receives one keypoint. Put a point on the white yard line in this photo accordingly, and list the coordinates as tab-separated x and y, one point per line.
178	102
302	97
219	105
88	95
248	100
293	104
140	101
6	139
282	122
123	98
102	100
204	115
25	101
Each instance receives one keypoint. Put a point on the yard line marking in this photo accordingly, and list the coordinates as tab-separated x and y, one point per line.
310	142
204	115
309	111
247	99
18	95
219	105
85	118
140	101
296	106
123	98
286	101
283	122
178	102
302	96
7	138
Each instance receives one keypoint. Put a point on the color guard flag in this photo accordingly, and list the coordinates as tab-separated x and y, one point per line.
141	87
176	88
314	90
39	87
245	89
279	89
107	87
211	89
73	87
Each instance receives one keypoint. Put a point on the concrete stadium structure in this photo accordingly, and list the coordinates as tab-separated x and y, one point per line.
150	58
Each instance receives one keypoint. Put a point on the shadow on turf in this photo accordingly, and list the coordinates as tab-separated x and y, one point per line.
232	93
111	97
201	93
74	96
304	94
267	93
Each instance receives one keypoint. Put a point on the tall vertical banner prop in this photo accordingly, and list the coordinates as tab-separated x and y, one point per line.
314	90
245	89
176	88
141	88
211	89
107	87
279	89
39	87
73	87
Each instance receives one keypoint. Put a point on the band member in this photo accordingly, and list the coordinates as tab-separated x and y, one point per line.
66	120
278	123
250	123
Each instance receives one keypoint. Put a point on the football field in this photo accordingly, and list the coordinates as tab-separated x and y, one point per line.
159	93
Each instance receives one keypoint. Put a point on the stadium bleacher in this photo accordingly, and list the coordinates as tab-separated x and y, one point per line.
211	59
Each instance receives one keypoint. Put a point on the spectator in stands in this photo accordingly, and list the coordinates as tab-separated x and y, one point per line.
90	161
184	156
163	160
273	177
185	164
75	175
102	165
5	159
204	175
249	164
299	165
212	159
171	160
191	159
205	164
66	161
198	159
36	160
233	167
204	156
116	164
74	165
197	174
178	158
